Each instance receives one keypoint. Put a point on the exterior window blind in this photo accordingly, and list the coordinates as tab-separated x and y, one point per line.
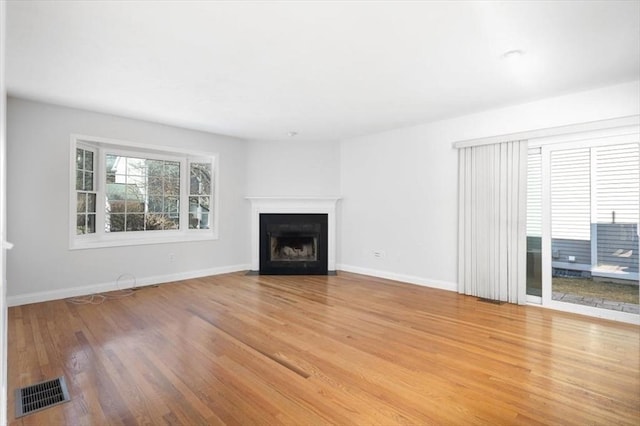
571	194
618	183
534	193
617	188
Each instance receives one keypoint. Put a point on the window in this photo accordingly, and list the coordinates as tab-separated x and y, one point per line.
142	194
126	194
199	195
85	192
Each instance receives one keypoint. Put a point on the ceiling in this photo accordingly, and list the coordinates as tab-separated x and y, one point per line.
326	70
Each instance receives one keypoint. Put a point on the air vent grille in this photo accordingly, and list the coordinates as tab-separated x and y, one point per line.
40	396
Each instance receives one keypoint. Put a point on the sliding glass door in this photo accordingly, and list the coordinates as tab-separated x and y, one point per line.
582	229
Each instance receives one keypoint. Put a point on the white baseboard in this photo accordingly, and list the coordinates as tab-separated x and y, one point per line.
425	282
45	296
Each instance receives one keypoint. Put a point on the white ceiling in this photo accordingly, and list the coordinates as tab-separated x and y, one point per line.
327	70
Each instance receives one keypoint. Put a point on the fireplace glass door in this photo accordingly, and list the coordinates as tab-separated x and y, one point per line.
293	244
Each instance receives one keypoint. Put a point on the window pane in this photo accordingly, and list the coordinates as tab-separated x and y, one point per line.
172	223
115	196
82	202
114	223
114	206
91	203
88	181
134	207
91	223
198	212
120	179
79	180
204	202
110	161
80	224
133	192
135	222
171	206
116	191
155	167
171	187
156	204
193	217
172	169
111	169
136	167
88	160
157	221
155	186
200	179
79	158
154	222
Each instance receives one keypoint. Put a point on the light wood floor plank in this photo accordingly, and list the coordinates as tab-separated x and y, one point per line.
345	349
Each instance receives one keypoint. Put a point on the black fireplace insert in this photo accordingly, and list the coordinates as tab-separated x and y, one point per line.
293	244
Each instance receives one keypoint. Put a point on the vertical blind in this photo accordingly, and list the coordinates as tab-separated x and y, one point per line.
492	221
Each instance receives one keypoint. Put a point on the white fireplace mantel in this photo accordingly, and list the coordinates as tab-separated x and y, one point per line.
318	205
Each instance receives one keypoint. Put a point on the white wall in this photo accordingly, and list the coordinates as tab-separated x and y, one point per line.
399	188
399	192
3	287
41	266
293	168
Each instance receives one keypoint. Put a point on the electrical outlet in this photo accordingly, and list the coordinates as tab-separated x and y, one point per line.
172	257
379	254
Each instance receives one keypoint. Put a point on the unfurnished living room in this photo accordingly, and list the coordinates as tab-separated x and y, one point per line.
319	212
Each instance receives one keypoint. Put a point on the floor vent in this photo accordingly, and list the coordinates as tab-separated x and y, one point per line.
495	302
40	396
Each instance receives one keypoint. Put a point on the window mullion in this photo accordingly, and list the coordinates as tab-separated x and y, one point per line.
184	195
101	183
594	206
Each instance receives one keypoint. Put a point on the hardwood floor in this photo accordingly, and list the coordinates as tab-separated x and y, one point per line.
345	349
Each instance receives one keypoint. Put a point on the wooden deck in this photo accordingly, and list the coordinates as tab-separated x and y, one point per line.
345	349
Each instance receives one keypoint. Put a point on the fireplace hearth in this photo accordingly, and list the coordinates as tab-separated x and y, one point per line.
293	244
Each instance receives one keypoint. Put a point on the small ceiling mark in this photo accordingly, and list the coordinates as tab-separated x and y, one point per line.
514	54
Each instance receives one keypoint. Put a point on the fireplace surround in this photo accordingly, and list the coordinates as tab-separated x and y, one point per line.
294	206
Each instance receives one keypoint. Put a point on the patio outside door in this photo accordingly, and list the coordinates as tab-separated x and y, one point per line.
589	209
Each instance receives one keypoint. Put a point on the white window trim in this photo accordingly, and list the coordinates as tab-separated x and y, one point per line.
100	239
